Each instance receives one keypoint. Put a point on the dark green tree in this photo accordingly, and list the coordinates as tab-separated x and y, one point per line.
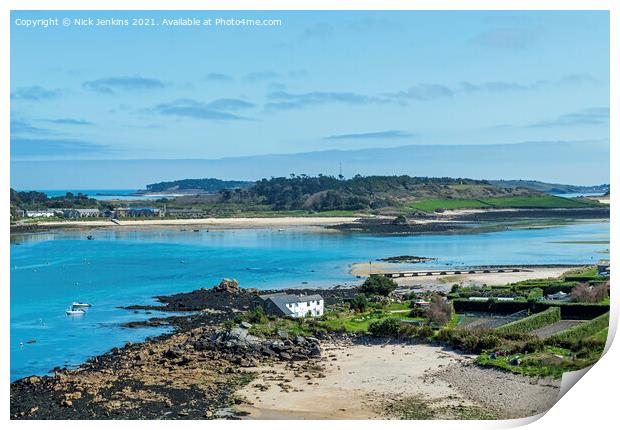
359	303
378	285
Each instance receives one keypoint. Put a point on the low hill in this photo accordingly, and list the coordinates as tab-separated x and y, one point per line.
198	186
549	188
328	193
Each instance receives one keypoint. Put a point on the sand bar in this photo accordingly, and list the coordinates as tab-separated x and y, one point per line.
533	272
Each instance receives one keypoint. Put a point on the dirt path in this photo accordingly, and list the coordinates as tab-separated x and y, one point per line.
559	326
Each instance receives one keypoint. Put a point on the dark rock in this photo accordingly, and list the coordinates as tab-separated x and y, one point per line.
173	353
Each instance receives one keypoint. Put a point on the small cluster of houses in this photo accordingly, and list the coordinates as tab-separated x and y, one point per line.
74	213
65	213
122	212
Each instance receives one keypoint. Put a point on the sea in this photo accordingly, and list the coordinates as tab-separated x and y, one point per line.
50	270
103	194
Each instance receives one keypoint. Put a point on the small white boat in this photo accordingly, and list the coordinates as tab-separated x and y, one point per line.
80	305
75	312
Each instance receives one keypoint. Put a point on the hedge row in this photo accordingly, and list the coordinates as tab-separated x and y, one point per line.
585	278
574	310
533	322
569	310
582	331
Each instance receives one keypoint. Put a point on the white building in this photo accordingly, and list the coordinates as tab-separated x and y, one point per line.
40	214
78	213
291	305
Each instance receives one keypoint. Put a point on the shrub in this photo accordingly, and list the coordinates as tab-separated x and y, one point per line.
359	303
535	294
473	341
440	311
378	285
587	294
533	322
425	331
488	341
257	315
417	312
444	334
533	345
386	327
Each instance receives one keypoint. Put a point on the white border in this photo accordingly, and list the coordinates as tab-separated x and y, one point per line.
590	404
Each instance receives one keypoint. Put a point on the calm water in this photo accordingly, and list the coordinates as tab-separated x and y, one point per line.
50	270
102	194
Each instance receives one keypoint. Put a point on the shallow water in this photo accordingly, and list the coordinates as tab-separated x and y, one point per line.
120	267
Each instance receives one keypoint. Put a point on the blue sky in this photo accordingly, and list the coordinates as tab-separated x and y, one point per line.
320	81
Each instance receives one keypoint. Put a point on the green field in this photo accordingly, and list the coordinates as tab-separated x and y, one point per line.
433	204
545	201
530	202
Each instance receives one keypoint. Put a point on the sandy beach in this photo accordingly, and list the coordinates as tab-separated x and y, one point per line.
382	381
246	222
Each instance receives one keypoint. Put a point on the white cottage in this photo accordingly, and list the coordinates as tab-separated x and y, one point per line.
291	305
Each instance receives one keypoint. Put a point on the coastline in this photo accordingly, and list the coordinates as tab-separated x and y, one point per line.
189	374
241	222
460	221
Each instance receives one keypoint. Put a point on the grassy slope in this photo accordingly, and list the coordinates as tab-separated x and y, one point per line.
544	202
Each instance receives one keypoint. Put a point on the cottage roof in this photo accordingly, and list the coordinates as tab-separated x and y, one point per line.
281	300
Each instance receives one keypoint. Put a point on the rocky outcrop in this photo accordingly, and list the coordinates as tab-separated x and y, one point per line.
245	349
228	286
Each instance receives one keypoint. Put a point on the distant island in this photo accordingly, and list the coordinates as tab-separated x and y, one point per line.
302	195
214	185
195	186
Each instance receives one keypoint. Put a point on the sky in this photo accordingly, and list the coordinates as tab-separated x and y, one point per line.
319	81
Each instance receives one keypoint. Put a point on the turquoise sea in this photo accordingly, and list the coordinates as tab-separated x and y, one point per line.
120	267
102	194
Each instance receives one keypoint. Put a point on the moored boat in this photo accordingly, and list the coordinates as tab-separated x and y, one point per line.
80	305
